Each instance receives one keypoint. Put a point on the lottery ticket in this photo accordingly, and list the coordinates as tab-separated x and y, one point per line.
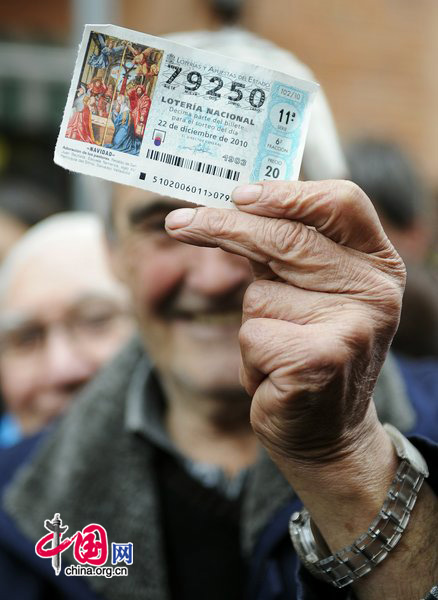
177	121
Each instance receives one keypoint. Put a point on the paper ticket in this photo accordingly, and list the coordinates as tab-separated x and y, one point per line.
147	112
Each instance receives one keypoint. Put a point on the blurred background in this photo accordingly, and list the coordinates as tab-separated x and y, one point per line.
375	58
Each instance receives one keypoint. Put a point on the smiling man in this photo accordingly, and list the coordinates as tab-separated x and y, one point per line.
188	302
168	451
192	312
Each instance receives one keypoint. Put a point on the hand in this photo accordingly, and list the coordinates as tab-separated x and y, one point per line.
320	315
317	323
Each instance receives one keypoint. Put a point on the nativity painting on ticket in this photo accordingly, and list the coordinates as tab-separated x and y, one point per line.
114	93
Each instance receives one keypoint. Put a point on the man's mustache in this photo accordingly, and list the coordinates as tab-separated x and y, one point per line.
185	303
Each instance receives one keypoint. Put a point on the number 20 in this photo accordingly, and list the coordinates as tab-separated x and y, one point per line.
272	172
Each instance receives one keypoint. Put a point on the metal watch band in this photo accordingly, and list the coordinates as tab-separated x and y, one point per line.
369	549
433	594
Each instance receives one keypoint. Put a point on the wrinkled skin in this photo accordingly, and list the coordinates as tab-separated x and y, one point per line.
318	318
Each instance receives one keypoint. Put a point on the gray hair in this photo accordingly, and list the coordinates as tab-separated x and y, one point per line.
323	155
50	229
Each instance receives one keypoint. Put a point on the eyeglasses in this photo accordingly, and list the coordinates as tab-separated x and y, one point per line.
25	337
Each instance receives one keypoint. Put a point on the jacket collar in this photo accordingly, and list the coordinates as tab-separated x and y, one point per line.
92	457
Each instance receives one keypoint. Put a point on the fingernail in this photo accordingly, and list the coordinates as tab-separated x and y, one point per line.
180	218
245	194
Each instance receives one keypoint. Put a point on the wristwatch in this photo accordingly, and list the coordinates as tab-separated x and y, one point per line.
369	549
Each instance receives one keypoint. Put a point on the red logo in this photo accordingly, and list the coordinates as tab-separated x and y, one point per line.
90	544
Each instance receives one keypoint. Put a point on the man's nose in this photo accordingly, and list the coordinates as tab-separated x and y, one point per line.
213	272
66	364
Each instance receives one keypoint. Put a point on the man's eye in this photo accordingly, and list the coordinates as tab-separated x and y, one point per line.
98	320
25	339
156	226
150	224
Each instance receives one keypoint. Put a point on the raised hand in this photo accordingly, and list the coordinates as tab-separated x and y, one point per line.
320	315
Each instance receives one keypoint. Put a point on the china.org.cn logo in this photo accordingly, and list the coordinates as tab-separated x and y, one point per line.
90	550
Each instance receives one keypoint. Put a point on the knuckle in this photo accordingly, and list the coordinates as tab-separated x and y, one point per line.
357	341
346	197
387	290
249	334
256	298
261	423
396	268
328	368
390	304
218	222
283	196
245	334
296	193
278	194
348	192
288	236
400	274
395	293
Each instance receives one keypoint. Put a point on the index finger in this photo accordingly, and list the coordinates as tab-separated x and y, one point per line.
297	254
338	209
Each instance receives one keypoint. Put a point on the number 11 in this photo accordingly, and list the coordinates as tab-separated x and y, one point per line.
288	116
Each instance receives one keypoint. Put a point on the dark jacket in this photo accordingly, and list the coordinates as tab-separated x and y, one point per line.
90	469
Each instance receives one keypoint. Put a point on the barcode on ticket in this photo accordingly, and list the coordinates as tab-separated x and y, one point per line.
193	165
